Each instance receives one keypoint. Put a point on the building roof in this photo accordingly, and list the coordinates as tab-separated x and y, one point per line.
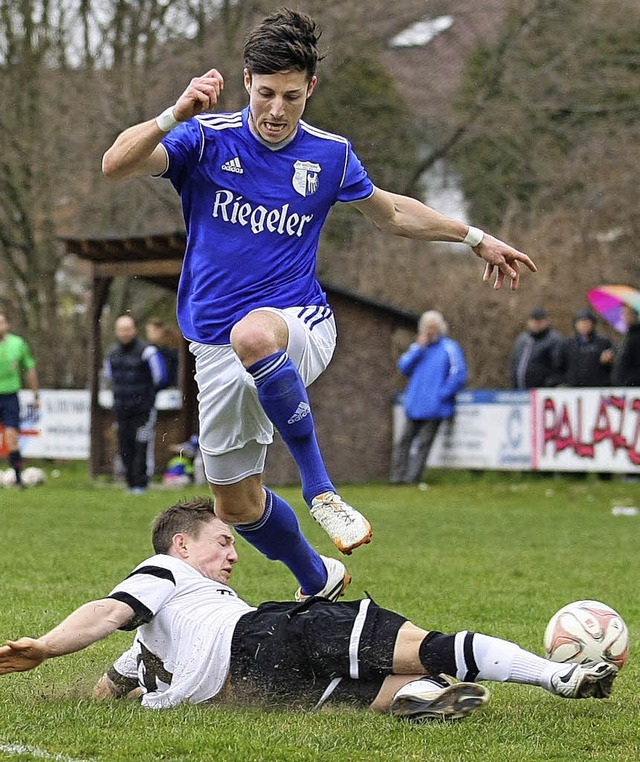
427	46
158	259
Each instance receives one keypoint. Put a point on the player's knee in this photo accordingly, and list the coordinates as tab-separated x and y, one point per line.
11	438
238	503
251	342
232	513
257	336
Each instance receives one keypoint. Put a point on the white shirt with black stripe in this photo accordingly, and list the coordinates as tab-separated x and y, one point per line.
186	621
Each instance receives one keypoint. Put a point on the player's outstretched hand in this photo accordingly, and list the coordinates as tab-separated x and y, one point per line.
502	258
201	95
21	655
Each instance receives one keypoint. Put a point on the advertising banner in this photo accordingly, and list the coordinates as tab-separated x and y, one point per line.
542	429
491	429
587	430
59	428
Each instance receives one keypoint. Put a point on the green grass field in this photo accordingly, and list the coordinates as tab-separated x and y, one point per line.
499	554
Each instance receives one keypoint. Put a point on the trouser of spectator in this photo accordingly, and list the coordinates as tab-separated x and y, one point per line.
412	450
135	436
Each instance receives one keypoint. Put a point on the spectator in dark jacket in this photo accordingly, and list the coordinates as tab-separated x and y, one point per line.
136	372
534	360
585	358
436	369
626	367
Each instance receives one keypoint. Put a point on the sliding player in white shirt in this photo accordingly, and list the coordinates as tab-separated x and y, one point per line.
256	188
197	641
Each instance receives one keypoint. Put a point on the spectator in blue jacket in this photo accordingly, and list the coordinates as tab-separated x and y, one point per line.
436	369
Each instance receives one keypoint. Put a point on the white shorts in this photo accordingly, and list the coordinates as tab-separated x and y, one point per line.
234	429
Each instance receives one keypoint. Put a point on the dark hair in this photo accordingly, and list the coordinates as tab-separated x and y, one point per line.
187	517
286	40
585	315
156	322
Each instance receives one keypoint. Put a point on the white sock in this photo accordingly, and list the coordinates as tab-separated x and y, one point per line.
504	661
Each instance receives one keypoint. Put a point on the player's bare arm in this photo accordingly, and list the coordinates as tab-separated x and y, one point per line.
409	218
137	151
88	624
31	377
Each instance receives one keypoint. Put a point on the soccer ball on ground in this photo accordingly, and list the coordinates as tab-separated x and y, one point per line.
32	476
9	478
587	631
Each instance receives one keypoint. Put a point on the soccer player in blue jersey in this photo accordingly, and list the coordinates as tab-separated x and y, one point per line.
256	187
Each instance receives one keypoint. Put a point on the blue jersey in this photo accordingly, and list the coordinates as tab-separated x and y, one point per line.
253	216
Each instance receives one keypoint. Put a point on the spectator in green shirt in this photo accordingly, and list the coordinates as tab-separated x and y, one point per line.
15	361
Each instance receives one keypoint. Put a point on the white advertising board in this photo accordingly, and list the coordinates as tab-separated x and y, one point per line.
586	430
491	429
542	429
60	428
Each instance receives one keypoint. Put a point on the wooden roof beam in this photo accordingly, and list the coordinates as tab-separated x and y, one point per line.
147	268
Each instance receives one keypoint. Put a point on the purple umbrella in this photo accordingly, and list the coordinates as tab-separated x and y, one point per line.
609	300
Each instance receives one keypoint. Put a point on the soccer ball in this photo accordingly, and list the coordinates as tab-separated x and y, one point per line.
587	631
33	476
9	478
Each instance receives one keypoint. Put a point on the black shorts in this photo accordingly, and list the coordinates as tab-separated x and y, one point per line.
10	410
294	654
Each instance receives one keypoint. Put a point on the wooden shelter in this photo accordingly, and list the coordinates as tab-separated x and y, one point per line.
352	400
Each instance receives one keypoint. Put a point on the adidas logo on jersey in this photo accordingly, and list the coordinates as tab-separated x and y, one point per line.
233	165
302	411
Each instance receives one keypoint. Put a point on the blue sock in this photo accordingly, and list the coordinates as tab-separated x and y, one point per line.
282	395
277	535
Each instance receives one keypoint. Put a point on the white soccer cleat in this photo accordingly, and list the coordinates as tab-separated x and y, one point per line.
441	700
337	580
590	680
345	526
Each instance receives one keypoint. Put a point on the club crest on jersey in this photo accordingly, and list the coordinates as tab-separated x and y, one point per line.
305	177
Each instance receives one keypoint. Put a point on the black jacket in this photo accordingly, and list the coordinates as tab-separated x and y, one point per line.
129	370
579	361
534	360
626	368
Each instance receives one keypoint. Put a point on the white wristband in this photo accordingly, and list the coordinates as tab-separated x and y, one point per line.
167	121
473	237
